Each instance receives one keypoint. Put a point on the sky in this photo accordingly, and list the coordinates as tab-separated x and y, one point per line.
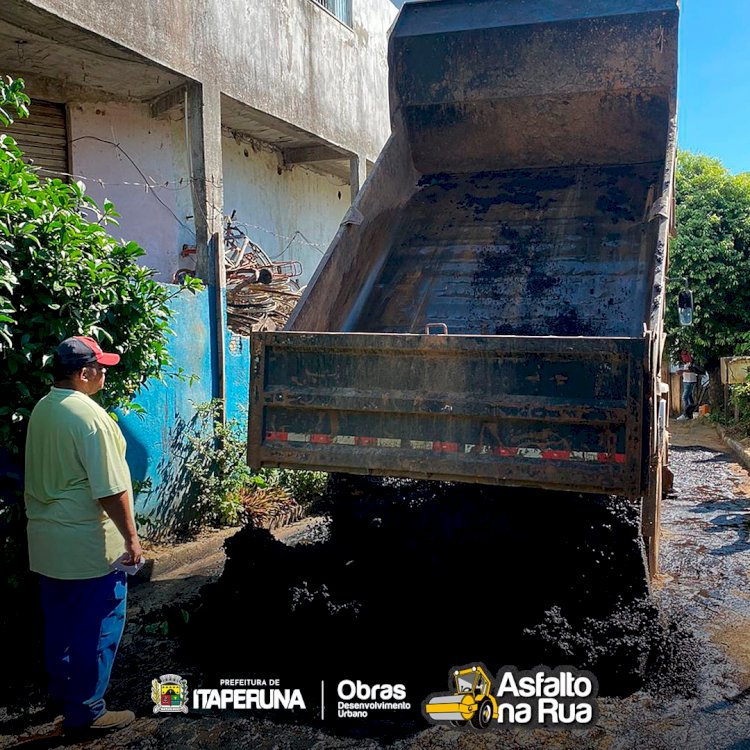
713	90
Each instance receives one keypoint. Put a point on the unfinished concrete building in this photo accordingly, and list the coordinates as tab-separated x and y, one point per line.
181	113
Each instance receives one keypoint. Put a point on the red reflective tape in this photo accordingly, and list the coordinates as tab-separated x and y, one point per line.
279	437
611	458
556	455
445	447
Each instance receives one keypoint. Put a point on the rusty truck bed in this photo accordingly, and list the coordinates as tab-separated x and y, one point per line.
527	411
535	252
522	206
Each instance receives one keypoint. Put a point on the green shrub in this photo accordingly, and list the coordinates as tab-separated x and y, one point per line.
739	398
306	487
227	491
217	467
62	274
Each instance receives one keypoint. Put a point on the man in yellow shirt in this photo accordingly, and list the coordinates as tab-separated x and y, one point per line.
79	504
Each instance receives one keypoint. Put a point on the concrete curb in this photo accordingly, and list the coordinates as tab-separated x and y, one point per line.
205	554
739	451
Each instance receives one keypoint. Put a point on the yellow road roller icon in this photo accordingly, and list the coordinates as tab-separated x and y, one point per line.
472	702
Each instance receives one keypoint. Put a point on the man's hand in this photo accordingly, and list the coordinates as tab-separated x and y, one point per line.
117	507
133	549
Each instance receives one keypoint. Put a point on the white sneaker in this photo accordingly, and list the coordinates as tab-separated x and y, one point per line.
681	417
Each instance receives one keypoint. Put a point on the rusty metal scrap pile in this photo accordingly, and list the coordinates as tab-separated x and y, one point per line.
259	307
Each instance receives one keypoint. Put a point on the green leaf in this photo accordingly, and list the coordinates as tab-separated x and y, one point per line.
62	274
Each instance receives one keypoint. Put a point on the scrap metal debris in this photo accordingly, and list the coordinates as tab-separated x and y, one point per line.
259	307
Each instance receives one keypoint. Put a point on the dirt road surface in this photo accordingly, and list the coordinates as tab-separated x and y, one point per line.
703	586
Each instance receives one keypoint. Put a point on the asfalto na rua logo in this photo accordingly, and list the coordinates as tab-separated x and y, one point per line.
539	697
169	694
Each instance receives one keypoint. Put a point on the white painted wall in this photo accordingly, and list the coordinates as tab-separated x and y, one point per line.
276	206
157	149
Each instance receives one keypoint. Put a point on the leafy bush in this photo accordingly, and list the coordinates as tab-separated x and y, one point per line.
228	492
740	400
217	467
306	487
62	275
12	99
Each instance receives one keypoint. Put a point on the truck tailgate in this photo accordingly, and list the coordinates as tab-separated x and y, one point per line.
553	412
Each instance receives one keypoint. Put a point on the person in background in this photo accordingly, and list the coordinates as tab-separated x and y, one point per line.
79	504
689	383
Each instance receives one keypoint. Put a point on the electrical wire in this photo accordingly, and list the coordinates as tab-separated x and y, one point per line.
151	186
137	169
99	181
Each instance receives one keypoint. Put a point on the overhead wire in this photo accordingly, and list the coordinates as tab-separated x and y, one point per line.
150	185
137	169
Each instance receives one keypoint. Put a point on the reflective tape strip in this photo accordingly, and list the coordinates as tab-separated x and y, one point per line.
529	453
445	447
421	445
584	456
389	442
436	446
297	437
278	437
556	455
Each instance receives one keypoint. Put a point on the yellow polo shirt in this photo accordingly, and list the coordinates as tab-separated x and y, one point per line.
75	454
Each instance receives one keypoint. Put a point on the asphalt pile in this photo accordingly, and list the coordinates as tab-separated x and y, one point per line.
415	578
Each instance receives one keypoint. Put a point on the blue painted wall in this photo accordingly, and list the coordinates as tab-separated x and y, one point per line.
237	375
157	441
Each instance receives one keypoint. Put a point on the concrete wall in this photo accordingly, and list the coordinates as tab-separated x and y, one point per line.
277	205
288	58
157	441
105	137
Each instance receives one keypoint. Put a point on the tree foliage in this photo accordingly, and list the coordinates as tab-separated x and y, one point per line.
712	250
62	274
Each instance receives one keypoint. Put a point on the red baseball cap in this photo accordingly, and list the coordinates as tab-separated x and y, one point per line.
83	350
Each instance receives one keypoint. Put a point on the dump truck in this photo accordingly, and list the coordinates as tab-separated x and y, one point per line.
491	308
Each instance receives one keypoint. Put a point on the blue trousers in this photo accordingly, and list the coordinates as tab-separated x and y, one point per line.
83	624
688	398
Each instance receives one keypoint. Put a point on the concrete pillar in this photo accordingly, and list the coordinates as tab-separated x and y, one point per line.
358	173
203	110
204	124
